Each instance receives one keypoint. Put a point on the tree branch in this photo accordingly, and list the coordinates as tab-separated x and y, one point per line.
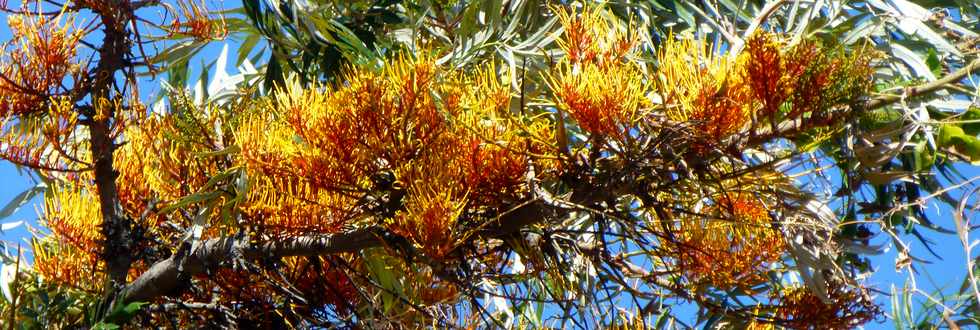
165	276
926	88
116	228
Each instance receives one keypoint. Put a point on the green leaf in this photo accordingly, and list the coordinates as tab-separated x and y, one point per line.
274	75
385	274
970	147
948	134
130	309
970	121
913	60
684	13
121	314
226	151
924	157
191	199
932	60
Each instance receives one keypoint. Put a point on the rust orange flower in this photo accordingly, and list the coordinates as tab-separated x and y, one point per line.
731	247
798	308
193	19
594	83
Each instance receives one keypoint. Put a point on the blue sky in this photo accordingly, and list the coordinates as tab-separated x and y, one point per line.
946	274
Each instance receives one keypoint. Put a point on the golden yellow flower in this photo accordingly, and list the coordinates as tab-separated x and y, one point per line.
62	264
433	207
703	88
588	37
798	308
70	255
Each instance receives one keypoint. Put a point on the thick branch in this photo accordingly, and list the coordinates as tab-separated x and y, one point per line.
165	276
926	88
116	228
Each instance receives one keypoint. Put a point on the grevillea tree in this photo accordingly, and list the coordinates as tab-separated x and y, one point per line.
389	164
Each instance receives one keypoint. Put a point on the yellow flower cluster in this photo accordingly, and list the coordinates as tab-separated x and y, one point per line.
719	95
165	157
70	255
51	142
446	138
595	83
34	67
432	209
703	89
798	308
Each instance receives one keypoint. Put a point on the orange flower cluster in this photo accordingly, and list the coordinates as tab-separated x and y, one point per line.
284	205
589	38
63	264
797	308
429	290
769	82
595	83
192	19
496	145
322	283
829	77
41	58
311	154
733	248
769	73
50	142
70	255
36	115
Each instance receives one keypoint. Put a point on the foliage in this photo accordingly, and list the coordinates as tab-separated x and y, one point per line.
489	164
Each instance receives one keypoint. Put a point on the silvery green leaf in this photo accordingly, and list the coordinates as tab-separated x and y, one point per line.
918	28
10	225
856	247
8	272
865	28
911	10
914	61
822	212
952	105
809	265
21	199
517	265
